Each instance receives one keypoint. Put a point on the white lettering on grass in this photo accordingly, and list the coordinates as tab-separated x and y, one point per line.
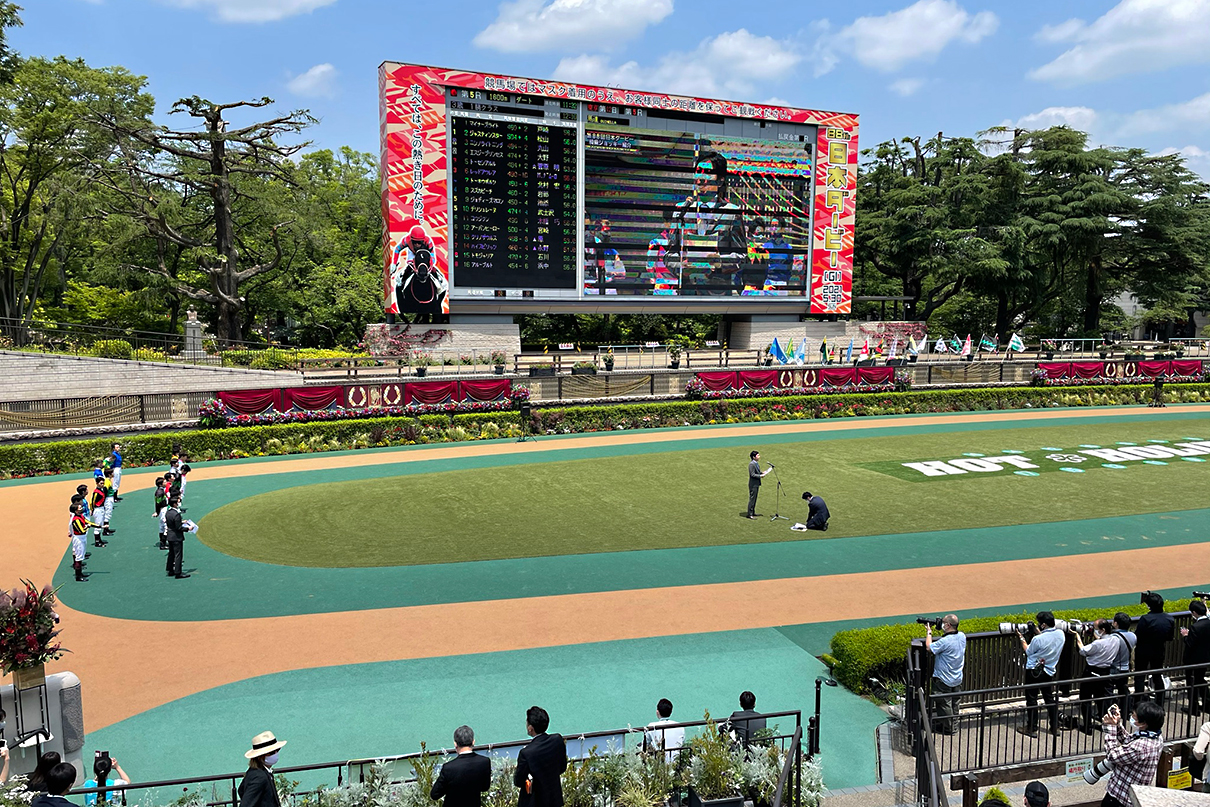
1147	452
972	464
934	468
1109	454
1020	462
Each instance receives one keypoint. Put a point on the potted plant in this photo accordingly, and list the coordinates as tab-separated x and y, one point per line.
608	359
498	359
1049	347
715	769
1104	349
28	634
422	362
543	368
674	355
583	368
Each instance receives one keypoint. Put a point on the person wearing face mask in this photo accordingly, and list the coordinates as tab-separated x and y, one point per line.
1099	655
257	788
1132	758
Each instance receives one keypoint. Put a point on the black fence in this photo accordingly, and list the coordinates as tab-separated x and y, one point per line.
220	790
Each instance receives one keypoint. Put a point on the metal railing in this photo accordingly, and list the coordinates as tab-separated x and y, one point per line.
930	789
988	732
319	776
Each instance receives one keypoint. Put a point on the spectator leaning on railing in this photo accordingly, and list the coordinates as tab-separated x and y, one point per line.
1099	655
1121	662
1041	663
949	659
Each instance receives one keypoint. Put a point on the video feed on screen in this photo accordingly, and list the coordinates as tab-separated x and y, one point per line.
681	213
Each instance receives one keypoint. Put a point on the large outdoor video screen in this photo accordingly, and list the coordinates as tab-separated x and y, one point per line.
522	191
682	213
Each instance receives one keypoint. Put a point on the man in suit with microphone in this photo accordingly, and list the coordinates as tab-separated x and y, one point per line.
540	763
754	476
465	778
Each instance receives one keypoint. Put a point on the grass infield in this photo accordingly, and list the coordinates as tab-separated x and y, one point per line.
697	498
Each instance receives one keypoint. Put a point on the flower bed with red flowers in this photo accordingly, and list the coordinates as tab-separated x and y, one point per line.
695	390
214	415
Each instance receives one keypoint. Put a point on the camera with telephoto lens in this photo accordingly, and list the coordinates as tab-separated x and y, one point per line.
1024	628
1144	596
1073	625
924	620
1202	595
1098	771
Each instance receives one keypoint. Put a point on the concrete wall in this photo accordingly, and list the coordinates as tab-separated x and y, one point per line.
42	376
462	338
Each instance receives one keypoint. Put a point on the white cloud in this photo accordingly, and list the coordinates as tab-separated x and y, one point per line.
320	80
1063	32
906	86
600	25
1081	118
1135	36
730	64
1193	114
1197	159
916	33
253	10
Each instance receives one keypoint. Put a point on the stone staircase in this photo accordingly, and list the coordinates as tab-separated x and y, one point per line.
42	376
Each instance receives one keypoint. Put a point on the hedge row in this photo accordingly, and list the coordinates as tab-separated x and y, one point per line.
881	652
26	459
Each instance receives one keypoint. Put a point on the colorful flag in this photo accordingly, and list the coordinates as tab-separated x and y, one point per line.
865	350
966	346
775	350
955	344
988	344
894	346
913	348
823	349
848	356
940	347
1016	343
790	347
800	355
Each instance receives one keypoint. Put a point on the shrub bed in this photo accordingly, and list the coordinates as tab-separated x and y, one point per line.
881	651
28	459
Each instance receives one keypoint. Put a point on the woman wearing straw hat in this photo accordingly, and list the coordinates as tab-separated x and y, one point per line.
257	789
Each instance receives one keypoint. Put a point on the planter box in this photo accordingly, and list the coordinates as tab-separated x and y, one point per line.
609	367
498	369
30	677
541	371
1134	357
896	362
422	371
676	364
912	359
583	371
696	801
1050	355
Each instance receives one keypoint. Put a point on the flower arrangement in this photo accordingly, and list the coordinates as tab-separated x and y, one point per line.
903	381
214	415
421	359
499	357
1049	345
1039	377
695	389
27	628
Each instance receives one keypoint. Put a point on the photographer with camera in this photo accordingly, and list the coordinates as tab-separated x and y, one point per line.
1197	651
1154	630
1130	759
1041	663
1099	655
949	658
1121	663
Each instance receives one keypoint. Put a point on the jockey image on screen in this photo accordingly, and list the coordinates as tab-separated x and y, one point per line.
419	288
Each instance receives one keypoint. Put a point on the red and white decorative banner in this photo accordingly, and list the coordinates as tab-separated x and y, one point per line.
835	216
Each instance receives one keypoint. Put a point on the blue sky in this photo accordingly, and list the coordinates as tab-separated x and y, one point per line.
1134	73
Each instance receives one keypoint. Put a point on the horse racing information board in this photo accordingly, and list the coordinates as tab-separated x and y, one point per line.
524	192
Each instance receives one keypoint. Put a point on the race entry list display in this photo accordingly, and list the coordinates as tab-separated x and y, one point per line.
514	202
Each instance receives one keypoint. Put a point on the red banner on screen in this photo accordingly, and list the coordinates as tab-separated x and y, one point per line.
835	213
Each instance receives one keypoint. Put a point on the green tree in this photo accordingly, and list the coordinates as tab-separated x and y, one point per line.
49	143
208	194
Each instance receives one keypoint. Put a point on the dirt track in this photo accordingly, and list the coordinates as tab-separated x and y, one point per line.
130	666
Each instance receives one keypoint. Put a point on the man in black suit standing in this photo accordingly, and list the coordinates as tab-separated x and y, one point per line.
1197	651
540	763
176	538
463	779
747	721
754	477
